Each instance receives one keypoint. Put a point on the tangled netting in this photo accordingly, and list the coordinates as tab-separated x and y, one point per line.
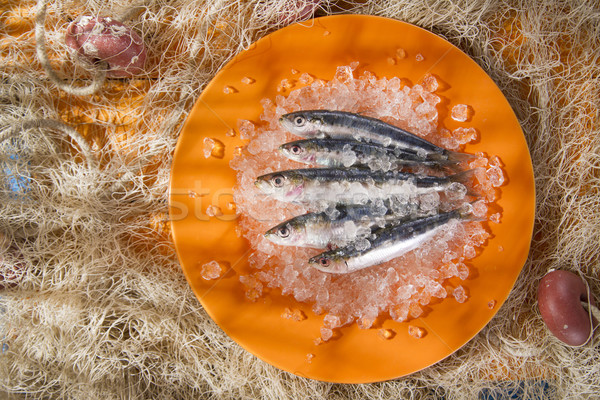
101	310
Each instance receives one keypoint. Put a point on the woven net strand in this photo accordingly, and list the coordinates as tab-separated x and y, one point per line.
102	310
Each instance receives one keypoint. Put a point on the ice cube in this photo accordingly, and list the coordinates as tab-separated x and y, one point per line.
419	57
348	158
209	144
464	135
323	296
247	80
214	211
365	322
415	310
254	288
306	79
479	209
456	191
375	164
495	162
437	290
326	334
391	276
211	270
285	85
400	53
293	314
495	175
469	252
344	74
461	112
416	331
463	271
246	129
379	208
430	83
429	202
386	334
459	293
399	312
332	321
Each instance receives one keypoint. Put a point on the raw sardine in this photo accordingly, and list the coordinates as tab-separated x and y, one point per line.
386	244
346	125
337	153
350	185
336	227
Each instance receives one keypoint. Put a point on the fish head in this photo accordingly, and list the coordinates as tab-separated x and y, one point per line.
287	234
281	185
330	262
302	123
301	150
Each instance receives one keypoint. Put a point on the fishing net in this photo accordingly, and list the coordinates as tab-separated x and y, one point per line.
101	308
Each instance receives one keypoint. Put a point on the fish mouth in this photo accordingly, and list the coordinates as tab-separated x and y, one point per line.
262	185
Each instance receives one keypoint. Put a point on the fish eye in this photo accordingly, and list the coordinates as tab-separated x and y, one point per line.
278	180
299	120
283	232
324	262
295	149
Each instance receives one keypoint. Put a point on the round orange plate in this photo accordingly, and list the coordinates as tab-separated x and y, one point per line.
318	47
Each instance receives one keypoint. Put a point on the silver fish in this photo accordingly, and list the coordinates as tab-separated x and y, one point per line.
337	153
350	185
386	244
346	125
335	227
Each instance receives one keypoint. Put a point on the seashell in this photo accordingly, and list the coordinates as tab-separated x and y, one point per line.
97	39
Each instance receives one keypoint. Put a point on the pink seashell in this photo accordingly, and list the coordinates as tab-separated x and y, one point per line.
105	39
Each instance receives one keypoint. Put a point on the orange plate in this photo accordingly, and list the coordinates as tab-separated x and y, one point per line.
318	47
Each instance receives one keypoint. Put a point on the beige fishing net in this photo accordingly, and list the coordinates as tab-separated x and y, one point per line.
101	309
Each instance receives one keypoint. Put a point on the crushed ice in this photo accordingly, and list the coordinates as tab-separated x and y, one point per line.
401	287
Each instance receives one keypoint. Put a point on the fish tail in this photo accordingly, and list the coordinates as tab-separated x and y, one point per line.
457	158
